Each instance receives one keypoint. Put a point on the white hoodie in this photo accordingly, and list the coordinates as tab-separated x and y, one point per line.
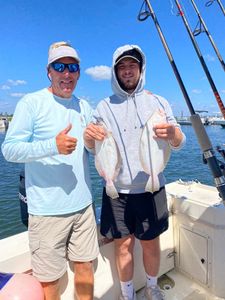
125	115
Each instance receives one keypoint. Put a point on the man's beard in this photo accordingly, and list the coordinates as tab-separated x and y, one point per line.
128	86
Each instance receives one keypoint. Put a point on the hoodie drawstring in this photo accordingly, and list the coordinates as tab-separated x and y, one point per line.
131	100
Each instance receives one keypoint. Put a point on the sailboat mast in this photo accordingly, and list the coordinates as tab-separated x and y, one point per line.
208	34
199	129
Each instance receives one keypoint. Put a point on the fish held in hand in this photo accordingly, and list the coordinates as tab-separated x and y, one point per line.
108	161
154	152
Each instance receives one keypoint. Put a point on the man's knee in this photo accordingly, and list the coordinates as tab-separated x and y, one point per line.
51	290
83	267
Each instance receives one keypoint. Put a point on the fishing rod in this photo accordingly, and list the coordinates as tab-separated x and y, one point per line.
208	3
207	33
205	68
200	131
221	6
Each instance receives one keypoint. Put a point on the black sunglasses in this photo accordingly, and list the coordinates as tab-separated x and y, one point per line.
60	67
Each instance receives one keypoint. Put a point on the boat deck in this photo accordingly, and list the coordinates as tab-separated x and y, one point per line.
192	256
177	286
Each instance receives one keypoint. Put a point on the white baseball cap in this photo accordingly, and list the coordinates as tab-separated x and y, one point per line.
61	49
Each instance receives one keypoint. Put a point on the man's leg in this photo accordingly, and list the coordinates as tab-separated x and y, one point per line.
82	250
84	280
152	220
47	241
125	265
117	224
151	260
151	256
51	290
124	257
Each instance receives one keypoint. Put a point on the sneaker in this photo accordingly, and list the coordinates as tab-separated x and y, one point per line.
153	293
127	298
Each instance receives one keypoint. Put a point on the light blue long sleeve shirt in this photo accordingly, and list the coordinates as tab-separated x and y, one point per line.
55	183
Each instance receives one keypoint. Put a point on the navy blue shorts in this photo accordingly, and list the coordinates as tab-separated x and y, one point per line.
144	215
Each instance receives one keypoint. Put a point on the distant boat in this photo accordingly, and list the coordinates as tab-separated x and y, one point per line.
220	122
4	123
217	119
184	121
187	121
204	118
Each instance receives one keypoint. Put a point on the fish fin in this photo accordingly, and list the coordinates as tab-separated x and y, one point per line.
152	184
111	191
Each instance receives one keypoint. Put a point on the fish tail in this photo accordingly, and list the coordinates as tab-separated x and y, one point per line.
152	184
111	191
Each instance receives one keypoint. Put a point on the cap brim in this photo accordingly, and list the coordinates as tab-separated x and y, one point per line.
127	56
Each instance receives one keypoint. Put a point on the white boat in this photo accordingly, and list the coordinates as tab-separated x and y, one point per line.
4	123
220	122
184	121
187	121
192	251
217	119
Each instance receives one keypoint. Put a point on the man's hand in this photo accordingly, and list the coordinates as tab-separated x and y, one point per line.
65	143
168	132
93	132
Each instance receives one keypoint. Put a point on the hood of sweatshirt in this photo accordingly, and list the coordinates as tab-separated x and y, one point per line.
115	84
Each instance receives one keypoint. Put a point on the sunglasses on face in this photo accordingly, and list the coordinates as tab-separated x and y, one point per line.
60	67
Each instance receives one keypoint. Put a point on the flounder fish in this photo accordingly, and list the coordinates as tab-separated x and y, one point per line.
154	152
108	161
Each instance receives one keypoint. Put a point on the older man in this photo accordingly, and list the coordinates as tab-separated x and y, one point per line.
46	134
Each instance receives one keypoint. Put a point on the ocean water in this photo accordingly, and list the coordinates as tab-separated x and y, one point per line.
185	164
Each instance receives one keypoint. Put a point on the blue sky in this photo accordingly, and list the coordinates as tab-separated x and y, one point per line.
96	29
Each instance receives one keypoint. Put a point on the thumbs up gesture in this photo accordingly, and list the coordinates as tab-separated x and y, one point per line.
65	143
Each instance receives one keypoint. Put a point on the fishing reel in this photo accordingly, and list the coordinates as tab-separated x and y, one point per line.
221	152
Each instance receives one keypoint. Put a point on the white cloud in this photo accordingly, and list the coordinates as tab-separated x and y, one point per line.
11	82
16	82
196	91
99	72
223	91
17	95
5	87
3	104
209	57
90	100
